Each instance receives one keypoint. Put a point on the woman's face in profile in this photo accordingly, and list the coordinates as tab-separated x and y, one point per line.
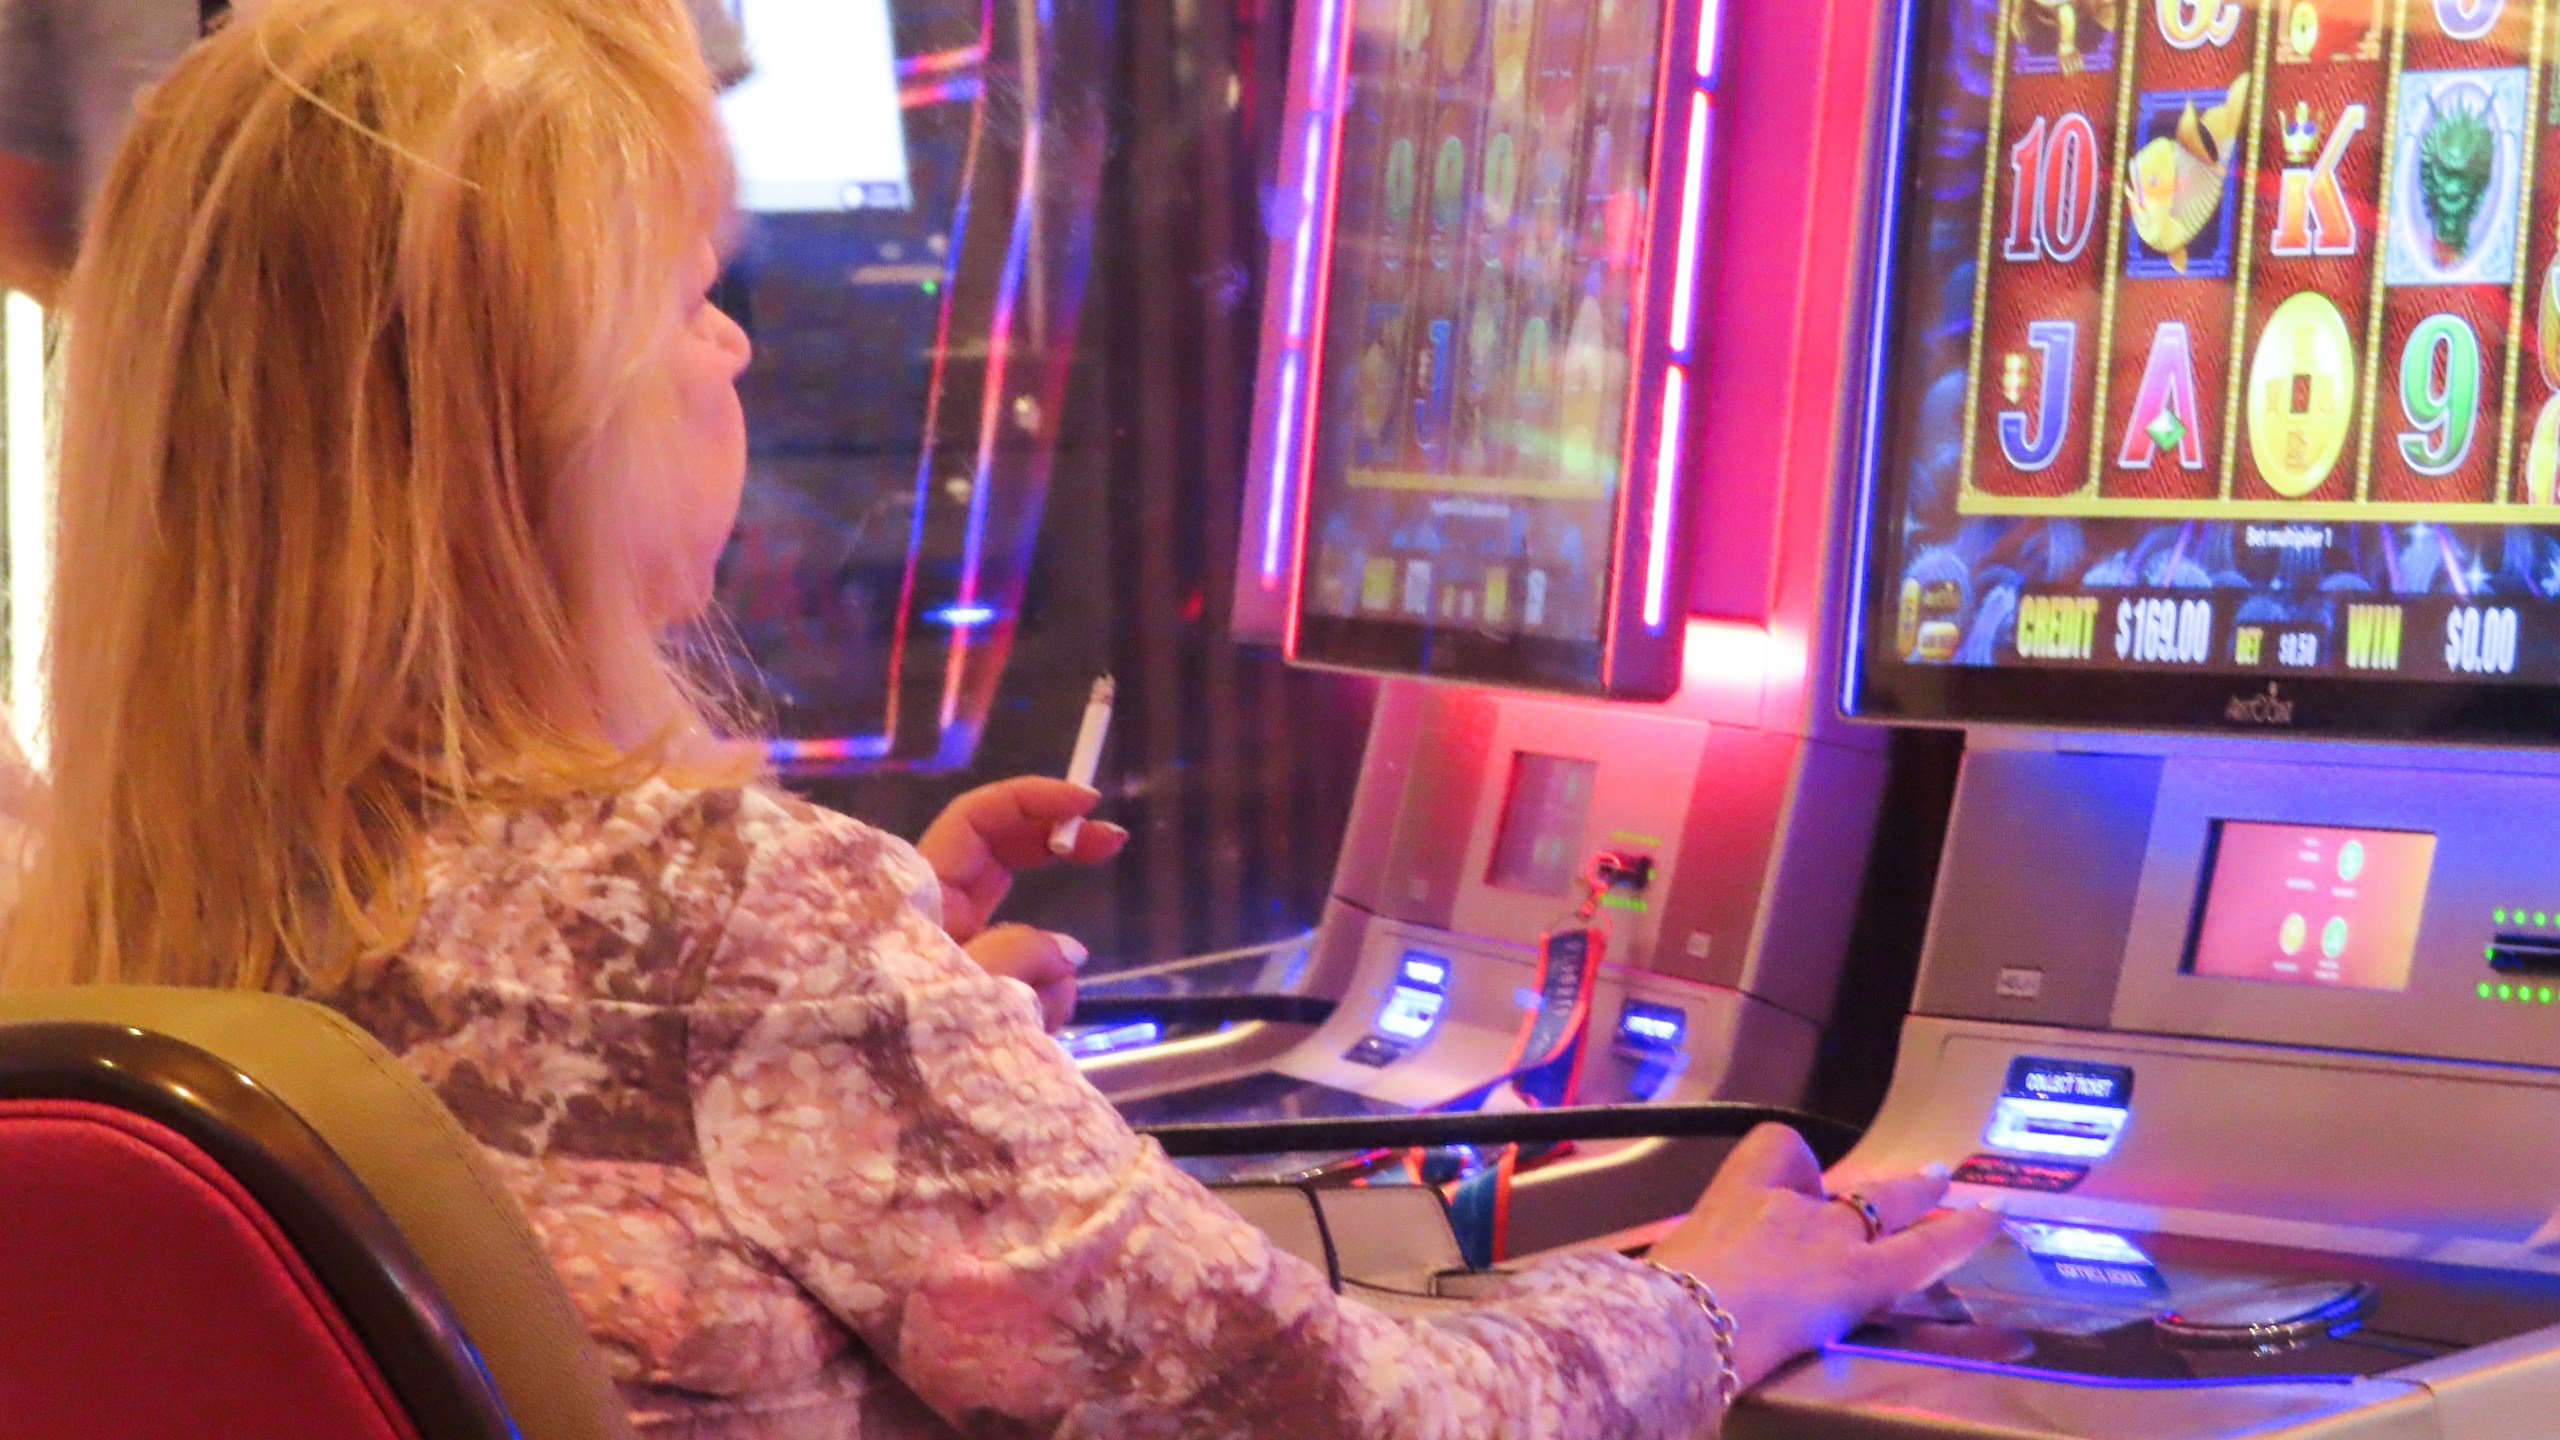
705	356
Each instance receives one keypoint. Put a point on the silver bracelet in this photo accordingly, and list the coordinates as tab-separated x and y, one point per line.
1719	1320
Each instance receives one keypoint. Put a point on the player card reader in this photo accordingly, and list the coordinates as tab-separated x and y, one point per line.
2525	954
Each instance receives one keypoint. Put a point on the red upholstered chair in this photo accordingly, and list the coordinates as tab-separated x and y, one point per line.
228	1216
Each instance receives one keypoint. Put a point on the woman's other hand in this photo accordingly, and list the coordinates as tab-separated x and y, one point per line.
1045	961
982	838
1794	1269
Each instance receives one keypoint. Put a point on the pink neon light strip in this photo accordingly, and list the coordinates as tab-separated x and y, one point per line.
1314	386
1684	281
943	62
1710	37
1666	478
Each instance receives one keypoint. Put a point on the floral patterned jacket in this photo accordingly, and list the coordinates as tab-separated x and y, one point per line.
809	1172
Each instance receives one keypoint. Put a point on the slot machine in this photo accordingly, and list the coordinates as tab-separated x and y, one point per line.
2218	381
1549	434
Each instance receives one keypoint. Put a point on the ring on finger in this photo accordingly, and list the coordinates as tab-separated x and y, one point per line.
1867	1213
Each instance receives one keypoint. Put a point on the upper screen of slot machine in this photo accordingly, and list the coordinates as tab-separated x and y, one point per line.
816	127
1471	409
2222	367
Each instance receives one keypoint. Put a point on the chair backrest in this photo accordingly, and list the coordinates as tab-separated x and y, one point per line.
236	1215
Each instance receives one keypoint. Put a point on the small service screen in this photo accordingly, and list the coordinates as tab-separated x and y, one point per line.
1486	248
1650	1029
2079	1258
2075	1242
1420	993
2227	343
1540	839
2312	905
817	126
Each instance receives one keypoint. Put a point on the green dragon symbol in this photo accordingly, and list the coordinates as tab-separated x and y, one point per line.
2455	155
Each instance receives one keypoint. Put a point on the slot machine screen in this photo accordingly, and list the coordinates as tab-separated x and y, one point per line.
1484	291
1539	845
816	126
2219	363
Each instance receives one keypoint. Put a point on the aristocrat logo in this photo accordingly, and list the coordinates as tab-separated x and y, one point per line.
2268	709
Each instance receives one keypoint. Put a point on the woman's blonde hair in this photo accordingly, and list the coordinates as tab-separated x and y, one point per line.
354	377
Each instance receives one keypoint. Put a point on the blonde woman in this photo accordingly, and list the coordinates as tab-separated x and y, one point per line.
397	435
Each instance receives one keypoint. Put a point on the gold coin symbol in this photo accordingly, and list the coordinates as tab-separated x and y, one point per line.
2302	386
2549	330
2542	457
1415	32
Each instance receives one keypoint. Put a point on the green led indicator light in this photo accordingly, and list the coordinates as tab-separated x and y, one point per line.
2489	953
2506	992
2500	916
2484	989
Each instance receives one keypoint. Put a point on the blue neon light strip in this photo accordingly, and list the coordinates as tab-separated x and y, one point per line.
827	752
1684	281
1026	209
1284	456
1882	294
1652	1027
1302	269
2063	1377
1112	1039
1666	480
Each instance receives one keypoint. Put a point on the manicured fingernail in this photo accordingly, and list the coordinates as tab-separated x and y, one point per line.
1074	950
1936	1170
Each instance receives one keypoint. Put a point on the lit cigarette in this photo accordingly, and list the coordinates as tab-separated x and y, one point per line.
1087	762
